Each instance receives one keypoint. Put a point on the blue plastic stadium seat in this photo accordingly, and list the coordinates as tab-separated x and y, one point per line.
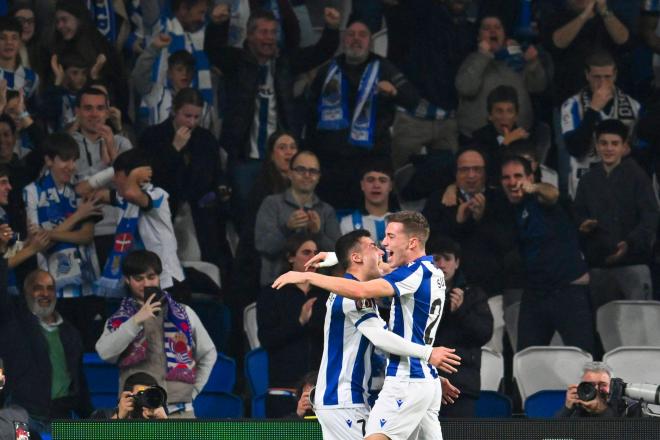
492	404
544	404
256	372
223	375
218	405
104	400
101	376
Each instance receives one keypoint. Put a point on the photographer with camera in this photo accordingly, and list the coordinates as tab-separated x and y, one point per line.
591	397
142	398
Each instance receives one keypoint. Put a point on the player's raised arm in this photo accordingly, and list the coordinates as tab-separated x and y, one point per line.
341	286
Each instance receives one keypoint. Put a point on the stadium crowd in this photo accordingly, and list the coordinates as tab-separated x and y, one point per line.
136	136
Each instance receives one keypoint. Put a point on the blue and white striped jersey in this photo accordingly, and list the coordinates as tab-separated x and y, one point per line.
416	310
345	370
21	78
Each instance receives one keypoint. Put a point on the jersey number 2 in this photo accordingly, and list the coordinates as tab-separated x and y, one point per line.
436	306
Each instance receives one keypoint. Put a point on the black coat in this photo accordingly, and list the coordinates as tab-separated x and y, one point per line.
467	329
27	365
240	76
186	175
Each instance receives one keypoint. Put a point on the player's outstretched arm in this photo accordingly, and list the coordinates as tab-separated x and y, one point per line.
341	286
440	357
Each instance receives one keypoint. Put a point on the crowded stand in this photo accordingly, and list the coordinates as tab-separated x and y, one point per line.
282	209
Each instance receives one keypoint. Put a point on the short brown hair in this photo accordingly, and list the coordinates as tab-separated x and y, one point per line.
414	223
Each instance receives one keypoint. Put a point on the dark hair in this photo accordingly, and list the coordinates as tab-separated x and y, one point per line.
294	242
612	126
259	14
129	160
527	165
9	121
599	58
61	145
72	59
523	147
269	176
139	379
378	166
492	14
176	4
4	170
414	223
347	243
138	262
181	57
502	94
300	153
185	96
443	245
10	24
90	90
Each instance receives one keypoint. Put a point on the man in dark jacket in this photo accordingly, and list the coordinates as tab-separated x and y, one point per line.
42	353
466	325
258	88
617	214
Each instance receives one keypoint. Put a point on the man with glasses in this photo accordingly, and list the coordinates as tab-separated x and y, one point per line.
296	210
467	212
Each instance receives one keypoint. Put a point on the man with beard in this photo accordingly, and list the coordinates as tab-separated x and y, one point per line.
42	353
352	106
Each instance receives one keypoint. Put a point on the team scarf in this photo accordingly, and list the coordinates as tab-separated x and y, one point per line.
426	110
621	107
134	11
103	15
178	340
513	59
182	40
126	238
333	111
70	265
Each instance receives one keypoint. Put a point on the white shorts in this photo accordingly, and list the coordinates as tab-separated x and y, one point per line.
343	423
407	410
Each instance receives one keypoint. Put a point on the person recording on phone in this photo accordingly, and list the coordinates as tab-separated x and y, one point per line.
590	398
151	333
142	398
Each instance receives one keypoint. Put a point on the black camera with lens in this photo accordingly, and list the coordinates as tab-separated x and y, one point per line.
587	391
150	397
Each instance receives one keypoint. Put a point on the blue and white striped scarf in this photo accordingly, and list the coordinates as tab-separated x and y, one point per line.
127	238
103	15
333	110
191	42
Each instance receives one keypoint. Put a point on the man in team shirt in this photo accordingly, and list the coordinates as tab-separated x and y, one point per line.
410	399
340	399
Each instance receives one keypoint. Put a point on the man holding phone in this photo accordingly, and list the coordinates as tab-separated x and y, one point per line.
151	333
